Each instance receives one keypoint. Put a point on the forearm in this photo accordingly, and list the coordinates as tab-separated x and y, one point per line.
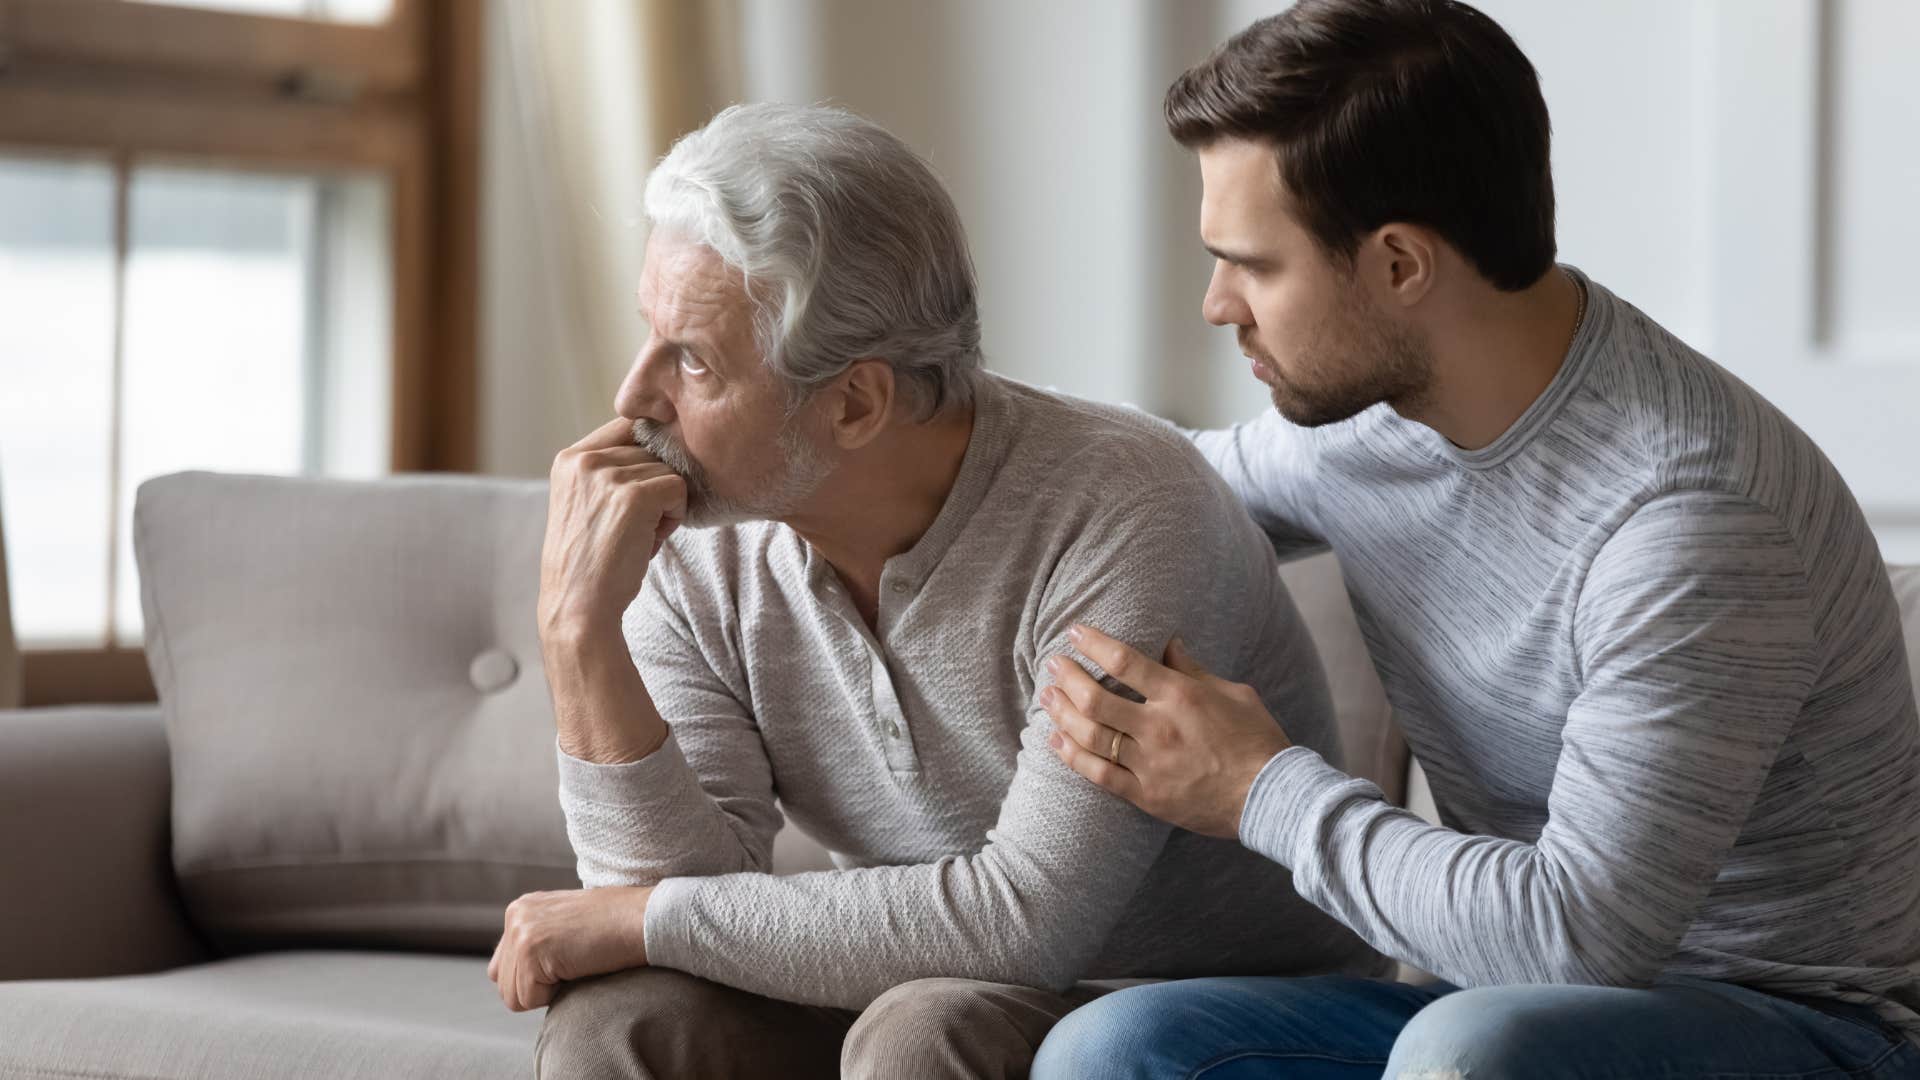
1474	910
843	937
1032	907
641	822
635	810
601	708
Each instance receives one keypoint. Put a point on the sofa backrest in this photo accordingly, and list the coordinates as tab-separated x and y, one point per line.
360	730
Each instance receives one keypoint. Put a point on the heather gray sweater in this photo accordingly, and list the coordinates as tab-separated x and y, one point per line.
918	754
1646	648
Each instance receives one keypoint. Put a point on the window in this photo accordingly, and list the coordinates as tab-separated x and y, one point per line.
351	11
235	235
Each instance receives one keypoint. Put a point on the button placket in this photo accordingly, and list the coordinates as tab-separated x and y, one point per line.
895	736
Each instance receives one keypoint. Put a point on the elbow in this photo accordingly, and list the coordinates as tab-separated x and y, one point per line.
1059	975
1045	958
1600	955
1622	972
1053	976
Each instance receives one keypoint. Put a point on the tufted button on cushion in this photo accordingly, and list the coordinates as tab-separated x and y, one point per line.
492	671
317	645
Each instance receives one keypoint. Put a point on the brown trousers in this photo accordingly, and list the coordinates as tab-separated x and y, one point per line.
662	1024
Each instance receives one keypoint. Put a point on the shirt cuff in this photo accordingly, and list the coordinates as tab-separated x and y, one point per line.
1281	800
665	928
635	783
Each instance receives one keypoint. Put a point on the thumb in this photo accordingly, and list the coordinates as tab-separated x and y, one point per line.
1182	661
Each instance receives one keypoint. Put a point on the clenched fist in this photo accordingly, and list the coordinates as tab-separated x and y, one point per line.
610	506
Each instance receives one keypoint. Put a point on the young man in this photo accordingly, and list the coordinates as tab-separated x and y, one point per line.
894	544
1630	619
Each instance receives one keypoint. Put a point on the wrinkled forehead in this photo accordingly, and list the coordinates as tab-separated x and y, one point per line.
687	289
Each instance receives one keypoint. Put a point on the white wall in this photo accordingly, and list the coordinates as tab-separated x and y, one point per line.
1742	170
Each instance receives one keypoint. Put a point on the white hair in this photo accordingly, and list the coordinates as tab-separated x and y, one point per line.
850	247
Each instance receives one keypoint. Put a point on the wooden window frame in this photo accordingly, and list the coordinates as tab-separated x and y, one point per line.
216	88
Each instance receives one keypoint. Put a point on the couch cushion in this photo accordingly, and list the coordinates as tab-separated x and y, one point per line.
84	863
361	738
334	1014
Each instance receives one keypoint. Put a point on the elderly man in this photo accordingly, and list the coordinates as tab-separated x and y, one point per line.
886	550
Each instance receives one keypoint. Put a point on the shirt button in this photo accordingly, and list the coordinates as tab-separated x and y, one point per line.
900	587
893	730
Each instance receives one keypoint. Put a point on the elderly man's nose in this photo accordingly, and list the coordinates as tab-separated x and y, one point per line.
644	393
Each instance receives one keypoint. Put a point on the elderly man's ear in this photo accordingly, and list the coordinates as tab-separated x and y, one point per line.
862	403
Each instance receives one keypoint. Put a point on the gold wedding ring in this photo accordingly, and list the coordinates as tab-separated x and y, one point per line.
1113	752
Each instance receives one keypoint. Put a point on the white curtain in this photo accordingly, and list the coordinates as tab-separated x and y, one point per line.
582	96
9	648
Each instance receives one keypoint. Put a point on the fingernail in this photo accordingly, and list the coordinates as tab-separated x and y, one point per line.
1075	632
1053	740
1053	664
1049	697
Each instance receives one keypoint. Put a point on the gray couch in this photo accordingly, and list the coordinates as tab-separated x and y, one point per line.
296	864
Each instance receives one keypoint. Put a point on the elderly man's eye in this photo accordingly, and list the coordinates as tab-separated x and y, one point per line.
691	364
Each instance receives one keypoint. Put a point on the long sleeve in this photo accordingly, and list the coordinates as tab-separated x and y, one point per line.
1693	652
1039	898
703	803
1266	463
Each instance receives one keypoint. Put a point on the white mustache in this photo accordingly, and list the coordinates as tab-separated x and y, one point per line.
650	436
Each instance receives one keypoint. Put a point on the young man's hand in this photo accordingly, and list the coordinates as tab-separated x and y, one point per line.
1187	755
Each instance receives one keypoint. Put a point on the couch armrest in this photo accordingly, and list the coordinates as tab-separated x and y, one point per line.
85	863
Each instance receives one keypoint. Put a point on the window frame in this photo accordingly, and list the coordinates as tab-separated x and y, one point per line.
139	81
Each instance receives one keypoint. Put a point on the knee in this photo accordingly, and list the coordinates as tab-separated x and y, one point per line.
1127	1033
595	1027
1486	1033
917	1029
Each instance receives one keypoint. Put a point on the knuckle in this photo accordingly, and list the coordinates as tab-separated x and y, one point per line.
1094	707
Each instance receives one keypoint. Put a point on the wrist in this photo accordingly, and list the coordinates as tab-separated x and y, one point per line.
601	749
1255	764
574	629
635	925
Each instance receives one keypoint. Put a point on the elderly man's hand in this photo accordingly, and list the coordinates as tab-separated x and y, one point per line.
610	505
1188	755
555	936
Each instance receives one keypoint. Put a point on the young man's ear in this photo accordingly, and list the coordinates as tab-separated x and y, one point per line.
863	402
1400	261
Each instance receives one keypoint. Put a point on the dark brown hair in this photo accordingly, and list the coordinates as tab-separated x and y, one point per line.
1422	111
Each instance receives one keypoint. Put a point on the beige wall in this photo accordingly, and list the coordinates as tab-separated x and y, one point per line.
1716	165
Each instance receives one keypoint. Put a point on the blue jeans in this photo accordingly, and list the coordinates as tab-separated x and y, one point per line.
1341	1027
